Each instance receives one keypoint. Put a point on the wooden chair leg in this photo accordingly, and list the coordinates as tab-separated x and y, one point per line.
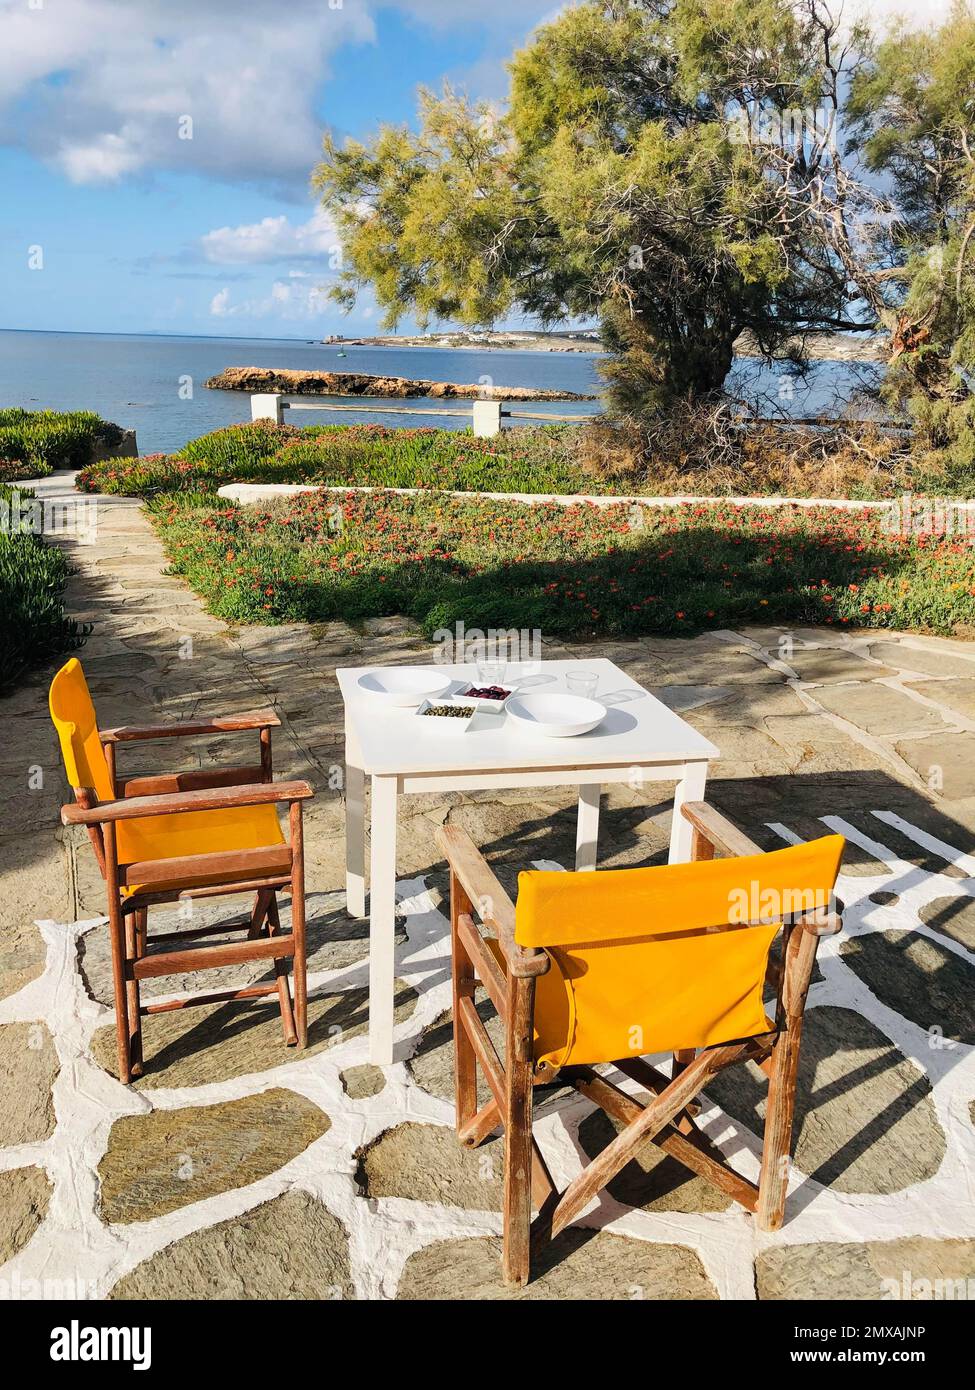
281	971
259	913
462	975
135	934
773	1185
298	923
518	1132
117	933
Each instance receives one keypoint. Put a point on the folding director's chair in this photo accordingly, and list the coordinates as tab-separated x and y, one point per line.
617	965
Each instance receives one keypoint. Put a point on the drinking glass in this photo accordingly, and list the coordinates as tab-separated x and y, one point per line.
582	683
491	672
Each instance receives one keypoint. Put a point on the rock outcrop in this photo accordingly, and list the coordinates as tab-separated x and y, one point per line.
294	383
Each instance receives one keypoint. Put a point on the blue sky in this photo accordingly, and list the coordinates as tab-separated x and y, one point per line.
111	222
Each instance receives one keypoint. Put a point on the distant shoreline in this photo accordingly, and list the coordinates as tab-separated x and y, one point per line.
585	340
819	347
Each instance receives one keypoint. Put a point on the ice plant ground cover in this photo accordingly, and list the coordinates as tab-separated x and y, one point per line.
572	571
523	460
829	459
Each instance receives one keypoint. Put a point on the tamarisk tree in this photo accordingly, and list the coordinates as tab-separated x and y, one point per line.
673	167
912	115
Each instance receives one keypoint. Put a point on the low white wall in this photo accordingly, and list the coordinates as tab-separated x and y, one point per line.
265	492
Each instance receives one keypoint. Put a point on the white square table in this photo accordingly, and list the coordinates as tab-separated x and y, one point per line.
639	740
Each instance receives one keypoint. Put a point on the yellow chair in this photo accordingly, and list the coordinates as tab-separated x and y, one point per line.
612	966
181	836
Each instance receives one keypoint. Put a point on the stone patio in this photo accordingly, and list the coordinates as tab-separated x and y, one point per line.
238	1168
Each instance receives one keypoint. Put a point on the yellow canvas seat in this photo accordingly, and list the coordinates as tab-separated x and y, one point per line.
634	965
179	836
184	833
607	968
174	836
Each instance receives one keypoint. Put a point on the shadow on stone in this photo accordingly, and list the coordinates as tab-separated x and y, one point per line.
191	1047
920	979
865	1121
653	1180
585	1265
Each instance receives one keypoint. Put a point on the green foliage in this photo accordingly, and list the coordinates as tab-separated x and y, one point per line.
524	460
33	576
614	184
912	111
570	570
239	449
35	442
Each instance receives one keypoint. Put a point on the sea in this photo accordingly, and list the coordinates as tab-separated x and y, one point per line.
153	384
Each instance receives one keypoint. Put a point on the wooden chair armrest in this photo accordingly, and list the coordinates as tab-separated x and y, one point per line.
189	728
210	799
712	826
489	899
821	924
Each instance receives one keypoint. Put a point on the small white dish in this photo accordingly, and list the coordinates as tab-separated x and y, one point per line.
555	715
488	706
446	723
403	685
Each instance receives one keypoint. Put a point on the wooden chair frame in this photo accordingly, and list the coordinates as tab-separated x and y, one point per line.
666	1117
264	871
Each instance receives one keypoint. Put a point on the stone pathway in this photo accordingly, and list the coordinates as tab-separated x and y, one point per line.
237	1168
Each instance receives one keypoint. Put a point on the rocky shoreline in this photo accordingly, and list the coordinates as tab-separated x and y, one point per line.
301	383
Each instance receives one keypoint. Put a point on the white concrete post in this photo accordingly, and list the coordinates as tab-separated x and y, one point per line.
487	418
268	407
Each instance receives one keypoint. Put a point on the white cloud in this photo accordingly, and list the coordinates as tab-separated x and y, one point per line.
99	161
272	239
293	301
110	83
919	14
101	88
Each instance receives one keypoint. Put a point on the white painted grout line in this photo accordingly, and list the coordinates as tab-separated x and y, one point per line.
929	842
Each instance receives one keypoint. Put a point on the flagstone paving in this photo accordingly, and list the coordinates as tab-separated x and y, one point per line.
239	1168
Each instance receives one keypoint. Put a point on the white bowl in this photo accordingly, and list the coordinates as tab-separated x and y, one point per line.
403	685
555	716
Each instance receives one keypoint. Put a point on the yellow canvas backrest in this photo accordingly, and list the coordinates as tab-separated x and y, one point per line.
74	718
638	966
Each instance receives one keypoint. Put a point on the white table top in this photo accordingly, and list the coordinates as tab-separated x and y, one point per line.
638	728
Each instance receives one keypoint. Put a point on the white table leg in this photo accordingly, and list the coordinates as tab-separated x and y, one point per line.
382	919
587	827
689	788
355	840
